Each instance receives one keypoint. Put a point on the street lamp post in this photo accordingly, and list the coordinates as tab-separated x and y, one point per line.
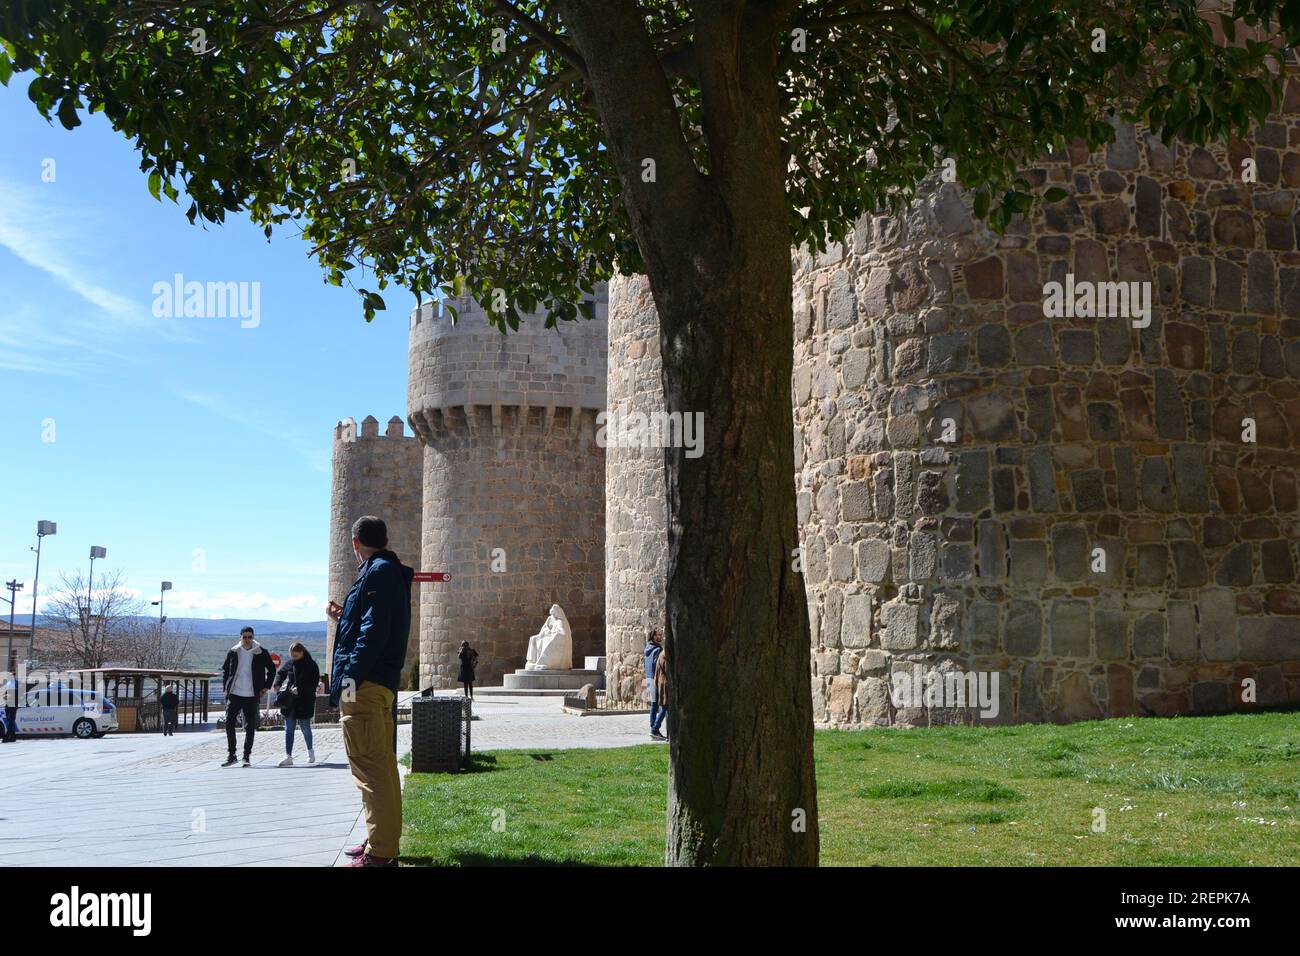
42	529
162	594
91	625
162	618
11	707
95	552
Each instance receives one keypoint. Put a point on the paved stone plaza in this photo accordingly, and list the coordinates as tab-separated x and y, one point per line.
149	800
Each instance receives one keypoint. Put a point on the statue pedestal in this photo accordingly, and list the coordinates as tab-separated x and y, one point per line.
553	679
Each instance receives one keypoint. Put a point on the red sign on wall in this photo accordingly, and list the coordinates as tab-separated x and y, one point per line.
433	575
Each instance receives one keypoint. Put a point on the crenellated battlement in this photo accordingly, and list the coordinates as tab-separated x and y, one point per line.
346	430
378	473
468	363
433	317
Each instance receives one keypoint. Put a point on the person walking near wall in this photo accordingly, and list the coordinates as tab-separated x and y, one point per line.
468	661
169	704
654	650
296	683
661	687
373	627
247	671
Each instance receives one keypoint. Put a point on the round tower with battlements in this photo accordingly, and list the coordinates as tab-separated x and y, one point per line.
514	484
1061	463
636	513
379	475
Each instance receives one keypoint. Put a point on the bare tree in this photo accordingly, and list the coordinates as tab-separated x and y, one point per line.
90	626
146	642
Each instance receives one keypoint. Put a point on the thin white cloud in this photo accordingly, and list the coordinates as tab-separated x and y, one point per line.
193	603
72	245
245	601
30	342
38	232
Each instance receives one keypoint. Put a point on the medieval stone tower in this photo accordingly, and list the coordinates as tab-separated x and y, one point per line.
1098	503
380	475
1099	506
513	484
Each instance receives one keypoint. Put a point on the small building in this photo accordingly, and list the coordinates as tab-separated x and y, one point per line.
137	701
15	646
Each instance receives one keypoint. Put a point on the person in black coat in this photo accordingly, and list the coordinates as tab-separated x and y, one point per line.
169	702
296	682
468	661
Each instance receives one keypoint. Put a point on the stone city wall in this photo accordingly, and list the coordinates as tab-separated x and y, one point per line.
636	528
380	475
1065	502
1096	532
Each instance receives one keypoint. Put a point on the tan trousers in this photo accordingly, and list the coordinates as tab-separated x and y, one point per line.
368	739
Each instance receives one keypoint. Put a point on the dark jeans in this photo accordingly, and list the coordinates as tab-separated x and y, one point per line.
11	718
234	705
169	720
657	715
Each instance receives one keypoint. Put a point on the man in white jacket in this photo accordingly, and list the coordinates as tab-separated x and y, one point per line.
248	670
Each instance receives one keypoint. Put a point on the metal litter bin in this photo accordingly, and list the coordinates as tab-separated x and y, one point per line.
439	734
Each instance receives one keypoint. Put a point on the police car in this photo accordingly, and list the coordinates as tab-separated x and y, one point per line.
58	711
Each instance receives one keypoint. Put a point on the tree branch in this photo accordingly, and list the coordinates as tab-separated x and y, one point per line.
539	32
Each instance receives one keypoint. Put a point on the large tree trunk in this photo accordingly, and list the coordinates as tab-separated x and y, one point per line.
740	713
717	252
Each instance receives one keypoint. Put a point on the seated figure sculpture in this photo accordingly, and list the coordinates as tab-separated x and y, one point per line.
551	648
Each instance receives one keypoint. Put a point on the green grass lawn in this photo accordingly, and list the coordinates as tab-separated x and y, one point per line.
1208	791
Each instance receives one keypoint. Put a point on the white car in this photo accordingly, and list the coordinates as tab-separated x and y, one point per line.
56	711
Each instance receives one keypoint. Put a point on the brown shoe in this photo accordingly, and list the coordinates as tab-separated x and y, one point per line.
368	859
355	851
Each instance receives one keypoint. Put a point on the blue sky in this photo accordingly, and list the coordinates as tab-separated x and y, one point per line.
177	442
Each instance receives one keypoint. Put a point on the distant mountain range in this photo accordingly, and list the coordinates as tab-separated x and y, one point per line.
213	627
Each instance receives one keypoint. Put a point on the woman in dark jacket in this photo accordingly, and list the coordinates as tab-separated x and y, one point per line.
298	676
468	661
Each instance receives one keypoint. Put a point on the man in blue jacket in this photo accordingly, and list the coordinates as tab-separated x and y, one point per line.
373	626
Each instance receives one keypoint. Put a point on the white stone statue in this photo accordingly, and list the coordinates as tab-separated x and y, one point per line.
551	648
